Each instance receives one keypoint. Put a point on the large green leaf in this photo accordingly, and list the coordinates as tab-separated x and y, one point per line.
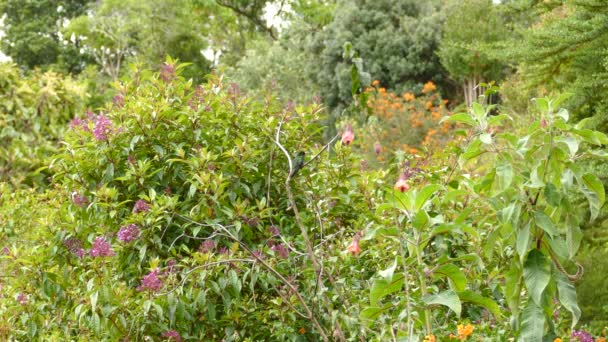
532	323
595	194
544	222
459	280
463	118
504	177
523	241
537	273
567	296
423	196
447	298
382	288
477	299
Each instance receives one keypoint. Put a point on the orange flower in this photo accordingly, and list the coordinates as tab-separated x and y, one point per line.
600	339
402	184
409	97
429	87
375	83
348	136
302	331
382	90
559	340
354	248
412	150
464	331
429	338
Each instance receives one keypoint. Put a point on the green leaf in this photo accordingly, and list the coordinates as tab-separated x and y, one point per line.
486	138
420	220
387	274
533	323
93	298
523	241
447	298
567	296
477	299
544	222
571	143
574	236
542	104
595	194
463	118
423	196
457	277
504	177
552	195
563	113
382	288
373	312
537	273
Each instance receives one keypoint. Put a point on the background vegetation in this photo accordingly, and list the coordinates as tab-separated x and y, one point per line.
246	170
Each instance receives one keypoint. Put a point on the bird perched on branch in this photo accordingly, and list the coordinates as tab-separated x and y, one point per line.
298	163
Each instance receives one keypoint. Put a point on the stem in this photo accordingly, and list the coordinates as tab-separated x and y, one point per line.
423	291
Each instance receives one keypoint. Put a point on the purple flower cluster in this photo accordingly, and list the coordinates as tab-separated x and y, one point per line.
128	233
274	230
141	206
581	336
172	335
170	266
75	247
206	247
5	251
167	73
197	98
78	199
22	298
280	250
151	282
103	126
119	101
101	248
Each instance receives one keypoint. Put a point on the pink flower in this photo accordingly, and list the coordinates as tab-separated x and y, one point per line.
101	248
167	73
402	184
78	199
103	126
151	282
281	251
172	335
377	148
128	233
75	247
141	206
354	248
348	135
206	247
22	298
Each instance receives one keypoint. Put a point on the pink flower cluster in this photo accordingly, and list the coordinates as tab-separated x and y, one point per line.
151	282
101	248
141	206
206	247
167	73
172	335
102	126
128	233
78	199
75	247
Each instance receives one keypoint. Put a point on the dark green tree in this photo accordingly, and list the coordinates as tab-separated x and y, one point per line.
465	50
397	41
32	33
567	51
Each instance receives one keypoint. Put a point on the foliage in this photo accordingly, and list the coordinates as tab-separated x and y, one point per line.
118	30
33	113
32	37
407	122
566	52
396	41
465	49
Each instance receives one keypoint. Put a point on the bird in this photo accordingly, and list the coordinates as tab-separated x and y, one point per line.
298	163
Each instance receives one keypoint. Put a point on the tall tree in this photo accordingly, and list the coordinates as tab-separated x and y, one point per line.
464	49
396	40
32	33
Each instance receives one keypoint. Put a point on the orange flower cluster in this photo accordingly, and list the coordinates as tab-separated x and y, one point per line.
464	331
429	338
404	122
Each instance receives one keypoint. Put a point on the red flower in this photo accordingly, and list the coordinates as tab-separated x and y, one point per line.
348	136
377	147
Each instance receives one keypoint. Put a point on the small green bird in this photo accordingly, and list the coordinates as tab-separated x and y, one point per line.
298	163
